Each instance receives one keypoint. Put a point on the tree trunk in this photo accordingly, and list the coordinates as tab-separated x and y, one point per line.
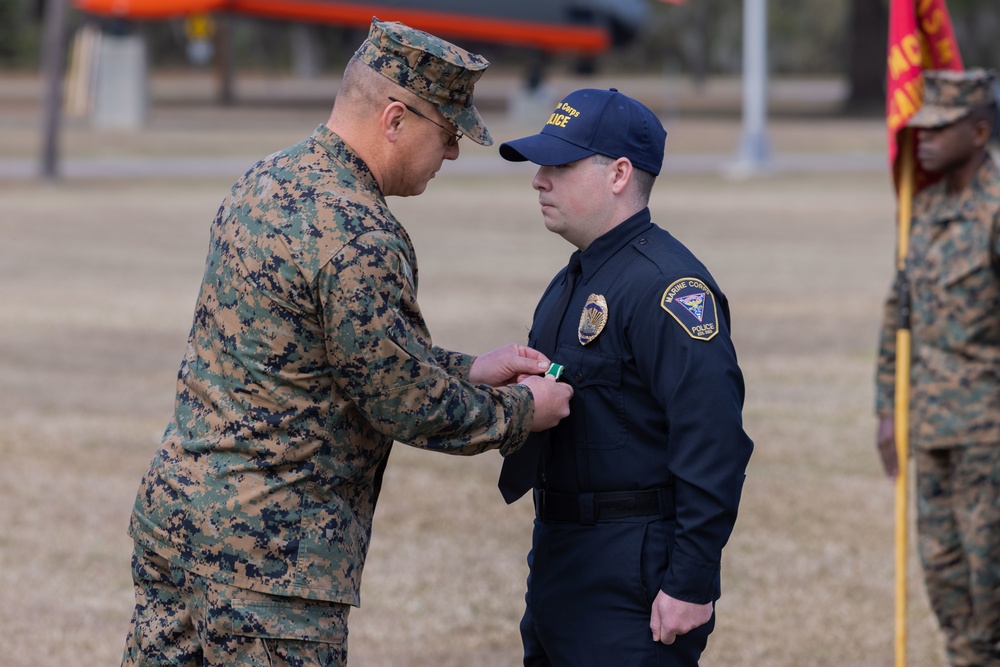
867	39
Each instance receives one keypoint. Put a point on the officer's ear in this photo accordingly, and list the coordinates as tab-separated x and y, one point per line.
621	175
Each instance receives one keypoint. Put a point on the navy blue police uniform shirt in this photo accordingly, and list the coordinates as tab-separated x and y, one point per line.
658	392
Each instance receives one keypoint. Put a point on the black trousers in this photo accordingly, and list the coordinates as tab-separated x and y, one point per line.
590	595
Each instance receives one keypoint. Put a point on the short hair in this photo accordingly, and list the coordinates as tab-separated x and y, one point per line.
643	179
363	87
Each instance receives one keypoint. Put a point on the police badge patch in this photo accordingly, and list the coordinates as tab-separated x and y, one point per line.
692	304
593	318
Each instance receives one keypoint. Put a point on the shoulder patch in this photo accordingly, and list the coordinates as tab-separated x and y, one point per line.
692	304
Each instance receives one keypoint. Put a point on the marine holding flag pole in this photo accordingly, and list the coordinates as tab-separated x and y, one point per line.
920	37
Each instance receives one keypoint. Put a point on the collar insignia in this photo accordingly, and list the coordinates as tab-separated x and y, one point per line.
593	318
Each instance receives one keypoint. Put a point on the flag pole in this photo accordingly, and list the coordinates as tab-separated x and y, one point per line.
902	395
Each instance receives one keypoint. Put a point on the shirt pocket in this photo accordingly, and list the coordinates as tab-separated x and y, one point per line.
972	293
970	267
596	379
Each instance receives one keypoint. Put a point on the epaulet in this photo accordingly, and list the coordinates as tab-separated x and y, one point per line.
659	249
667	253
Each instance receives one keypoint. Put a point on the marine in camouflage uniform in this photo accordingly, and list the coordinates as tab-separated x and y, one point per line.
307	358
952	277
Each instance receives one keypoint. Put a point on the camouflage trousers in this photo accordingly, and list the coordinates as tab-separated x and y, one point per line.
958	526
184	620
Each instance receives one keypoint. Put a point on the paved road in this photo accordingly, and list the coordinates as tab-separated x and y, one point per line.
173	167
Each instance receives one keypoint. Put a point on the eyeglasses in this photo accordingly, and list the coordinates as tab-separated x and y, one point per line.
453	136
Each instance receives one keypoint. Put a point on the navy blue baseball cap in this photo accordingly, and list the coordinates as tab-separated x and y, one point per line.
591	121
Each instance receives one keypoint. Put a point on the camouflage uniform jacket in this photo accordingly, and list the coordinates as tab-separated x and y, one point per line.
955	322
308	356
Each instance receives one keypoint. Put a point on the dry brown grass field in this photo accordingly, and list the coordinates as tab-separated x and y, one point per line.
99	277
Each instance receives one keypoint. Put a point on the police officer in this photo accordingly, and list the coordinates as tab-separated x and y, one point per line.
953	279
307	357
636	492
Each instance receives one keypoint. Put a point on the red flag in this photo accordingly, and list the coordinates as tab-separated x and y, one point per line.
920	37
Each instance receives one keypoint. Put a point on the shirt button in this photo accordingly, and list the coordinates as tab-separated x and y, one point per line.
578	377
642	241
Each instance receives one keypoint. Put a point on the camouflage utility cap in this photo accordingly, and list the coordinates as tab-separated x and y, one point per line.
431	68
950	95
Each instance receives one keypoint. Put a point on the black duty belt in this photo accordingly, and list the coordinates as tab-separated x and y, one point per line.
589	508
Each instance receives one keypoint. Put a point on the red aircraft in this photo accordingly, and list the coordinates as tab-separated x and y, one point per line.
585	27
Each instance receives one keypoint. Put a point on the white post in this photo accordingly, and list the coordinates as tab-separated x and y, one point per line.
121	96
306	53
53	55
755	149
